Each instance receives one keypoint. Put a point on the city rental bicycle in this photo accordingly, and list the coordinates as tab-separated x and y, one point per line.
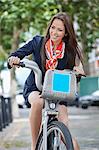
59	85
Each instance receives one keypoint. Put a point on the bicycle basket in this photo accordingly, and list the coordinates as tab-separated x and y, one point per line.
59	85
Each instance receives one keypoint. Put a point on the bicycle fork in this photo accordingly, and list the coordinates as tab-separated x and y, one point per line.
56	141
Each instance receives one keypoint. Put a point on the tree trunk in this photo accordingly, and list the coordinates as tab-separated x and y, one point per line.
15	43
84	46
85	56
16	35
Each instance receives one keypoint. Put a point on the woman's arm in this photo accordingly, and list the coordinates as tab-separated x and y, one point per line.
27	49
78	66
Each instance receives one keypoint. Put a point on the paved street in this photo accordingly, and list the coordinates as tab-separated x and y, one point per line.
84	125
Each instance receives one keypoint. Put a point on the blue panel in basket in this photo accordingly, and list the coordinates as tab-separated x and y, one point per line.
61	83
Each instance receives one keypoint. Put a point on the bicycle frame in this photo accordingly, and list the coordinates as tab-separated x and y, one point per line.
45	116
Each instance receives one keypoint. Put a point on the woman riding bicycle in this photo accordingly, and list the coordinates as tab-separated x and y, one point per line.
58	49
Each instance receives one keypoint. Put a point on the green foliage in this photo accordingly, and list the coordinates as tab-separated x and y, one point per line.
33	16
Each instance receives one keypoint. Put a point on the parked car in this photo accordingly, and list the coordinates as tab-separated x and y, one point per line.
85	101
89	100
95	100
21	101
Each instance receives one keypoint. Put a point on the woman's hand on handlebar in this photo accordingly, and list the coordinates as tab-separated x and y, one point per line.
13	61
79	71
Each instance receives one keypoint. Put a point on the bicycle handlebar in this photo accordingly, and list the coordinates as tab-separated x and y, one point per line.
33	66
38	74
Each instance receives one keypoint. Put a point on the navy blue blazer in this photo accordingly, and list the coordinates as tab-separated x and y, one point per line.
33	47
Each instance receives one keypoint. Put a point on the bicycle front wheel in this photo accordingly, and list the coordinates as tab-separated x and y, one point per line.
58	137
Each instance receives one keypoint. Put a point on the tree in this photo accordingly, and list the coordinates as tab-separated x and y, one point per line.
20	16
86	13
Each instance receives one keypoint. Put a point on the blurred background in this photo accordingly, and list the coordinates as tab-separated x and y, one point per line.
20	20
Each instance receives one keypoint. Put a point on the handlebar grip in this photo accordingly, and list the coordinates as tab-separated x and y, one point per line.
21	64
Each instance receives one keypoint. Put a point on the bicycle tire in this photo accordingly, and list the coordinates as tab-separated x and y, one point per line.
65	133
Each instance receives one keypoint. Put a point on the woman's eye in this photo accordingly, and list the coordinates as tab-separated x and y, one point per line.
60	30
53	27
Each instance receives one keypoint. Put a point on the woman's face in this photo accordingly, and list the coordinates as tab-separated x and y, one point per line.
57	31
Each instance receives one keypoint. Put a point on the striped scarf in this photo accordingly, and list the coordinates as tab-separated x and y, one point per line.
53	56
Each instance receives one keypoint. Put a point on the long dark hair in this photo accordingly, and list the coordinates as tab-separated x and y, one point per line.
69	39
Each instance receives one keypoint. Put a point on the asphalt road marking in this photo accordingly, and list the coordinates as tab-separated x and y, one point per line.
79	117
21	120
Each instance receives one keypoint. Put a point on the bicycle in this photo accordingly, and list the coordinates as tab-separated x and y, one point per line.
54	134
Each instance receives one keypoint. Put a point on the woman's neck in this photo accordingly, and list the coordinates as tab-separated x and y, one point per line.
55	44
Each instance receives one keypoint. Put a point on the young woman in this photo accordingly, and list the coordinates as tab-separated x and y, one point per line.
58	49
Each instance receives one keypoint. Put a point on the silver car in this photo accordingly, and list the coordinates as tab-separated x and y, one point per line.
85	101
89	100
95	100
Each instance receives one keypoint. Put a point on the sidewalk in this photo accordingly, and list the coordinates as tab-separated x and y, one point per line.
16	136
84	125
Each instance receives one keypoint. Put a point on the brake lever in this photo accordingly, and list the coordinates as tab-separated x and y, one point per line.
79	74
